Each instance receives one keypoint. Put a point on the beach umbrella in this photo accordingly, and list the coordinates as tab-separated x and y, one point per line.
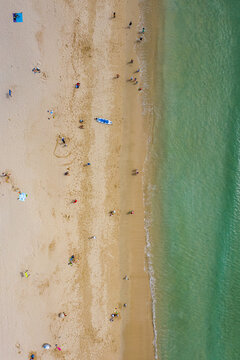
46	346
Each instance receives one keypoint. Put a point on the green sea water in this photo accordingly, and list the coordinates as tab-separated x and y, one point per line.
196	198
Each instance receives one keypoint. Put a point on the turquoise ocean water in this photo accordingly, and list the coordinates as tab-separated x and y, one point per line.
196	198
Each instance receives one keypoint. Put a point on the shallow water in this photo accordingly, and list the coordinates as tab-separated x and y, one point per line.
195	232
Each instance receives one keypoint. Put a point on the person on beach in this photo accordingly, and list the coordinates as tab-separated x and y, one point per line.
63	140
36	70
81	121
66	173
74	201
136	82
131	212
32	356
131	61
135	172
26	274
125	305
113	315
81	126
130	24
4	174
114	15
87	164
112	212
92	237
58	348
10	93
77	85
137	71
125	277
117	76
143	30
139	89
71	260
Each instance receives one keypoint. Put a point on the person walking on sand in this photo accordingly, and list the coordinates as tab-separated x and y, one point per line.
130	24
114	15
117	76
143	30
63	140
137	71
87	164
131	61
66	173
92	237
10	93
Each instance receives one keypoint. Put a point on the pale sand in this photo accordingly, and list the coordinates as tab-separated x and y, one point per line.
71	41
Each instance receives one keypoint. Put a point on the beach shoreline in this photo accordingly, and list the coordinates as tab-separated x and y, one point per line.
89	47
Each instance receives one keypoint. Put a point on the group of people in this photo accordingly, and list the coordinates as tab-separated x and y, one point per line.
72	259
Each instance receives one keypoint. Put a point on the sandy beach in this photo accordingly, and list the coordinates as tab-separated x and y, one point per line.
71	42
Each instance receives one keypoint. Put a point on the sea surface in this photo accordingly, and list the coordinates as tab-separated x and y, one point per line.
195	221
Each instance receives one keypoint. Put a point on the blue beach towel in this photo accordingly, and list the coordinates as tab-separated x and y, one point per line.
17	17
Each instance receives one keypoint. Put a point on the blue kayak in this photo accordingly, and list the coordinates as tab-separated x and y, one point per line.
104	121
